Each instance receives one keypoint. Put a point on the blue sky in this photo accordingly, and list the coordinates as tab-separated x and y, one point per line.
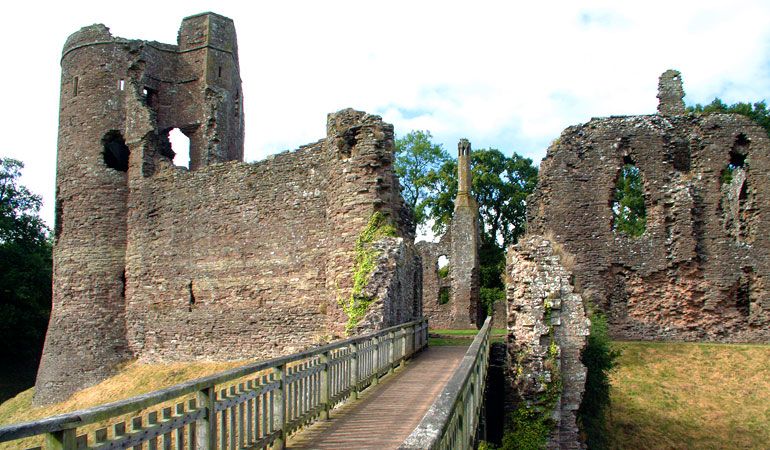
508	75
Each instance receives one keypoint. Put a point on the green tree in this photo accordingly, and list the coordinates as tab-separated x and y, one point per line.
25	270
417	161
501	185
757	112
629	208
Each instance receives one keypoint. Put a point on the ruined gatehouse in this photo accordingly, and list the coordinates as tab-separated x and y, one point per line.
222	261
699	270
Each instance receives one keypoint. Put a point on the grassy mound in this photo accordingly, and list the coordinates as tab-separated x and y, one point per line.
691	396
134	379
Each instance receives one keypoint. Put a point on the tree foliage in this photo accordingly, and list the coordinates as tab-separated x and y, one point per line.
25	269
417	161
757	112
628	208
500	184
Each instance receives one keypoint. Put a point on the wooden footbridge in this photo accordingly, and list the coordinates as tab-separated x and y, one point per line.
385	390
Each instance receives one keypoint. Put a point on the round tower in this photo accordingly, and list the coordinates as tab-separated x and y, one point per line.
86	333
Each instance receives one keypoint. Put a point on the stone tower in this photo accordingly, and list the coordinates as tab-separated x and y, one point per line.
466	241
119	99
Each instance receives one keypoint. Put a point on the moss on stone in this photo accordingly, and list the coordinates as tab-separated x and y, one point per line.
358	303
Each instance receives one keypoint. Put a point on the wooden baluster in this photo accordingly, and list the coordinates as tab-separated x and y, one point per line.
392	351
206	427
279	407
166	416
179	432
192	429
152	420
250	414
61	440
325	385
354	371
136	425
100	436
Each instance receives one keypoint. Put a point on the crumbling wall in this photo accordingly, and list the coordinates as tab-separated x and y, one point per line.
547	329
454	301
698	271
221	261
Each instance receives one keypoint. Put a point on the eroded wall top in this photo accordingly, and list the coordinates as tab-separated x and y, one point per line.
698	270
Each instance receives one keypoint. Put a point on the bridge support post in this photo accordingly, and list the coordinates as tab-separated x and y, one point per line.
376	368
279	407
325	381
206	427
61	440
354	371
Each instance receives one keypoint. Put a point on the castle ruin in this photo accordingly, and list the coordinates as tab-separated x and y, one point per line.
451	300
222	261
699	270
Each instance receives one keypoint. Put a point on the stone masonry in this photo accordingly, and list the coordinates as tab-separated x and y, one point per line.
460	244
699	272
224	260
547	329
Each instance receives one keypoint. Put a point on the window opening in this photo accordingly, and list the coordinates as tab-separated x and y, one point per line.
443	296
737	161
121	84
628	208
115	151
150	96
75	83
442	266
180	147
220	72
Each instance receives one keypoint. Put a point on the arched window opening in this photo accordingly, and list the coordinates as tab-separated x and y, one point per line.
442	266
737	161
180	147
628	208
115	151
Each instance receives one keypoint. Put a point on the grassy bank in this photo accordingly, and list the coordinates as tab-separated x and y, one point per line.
134	379
691	396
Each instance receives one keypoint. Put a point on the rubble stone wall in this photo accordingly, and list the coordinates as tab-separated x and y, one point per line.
547	330
699	271
223	260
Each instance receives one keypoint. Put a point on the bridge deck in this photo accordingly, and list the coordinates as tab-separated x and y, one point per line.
384	415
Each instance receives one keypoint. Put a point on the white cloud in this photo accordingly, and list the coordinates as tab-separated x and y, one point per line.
502	74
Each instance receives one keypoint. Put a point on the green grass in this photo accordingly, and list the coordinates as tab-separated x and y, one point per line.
691	396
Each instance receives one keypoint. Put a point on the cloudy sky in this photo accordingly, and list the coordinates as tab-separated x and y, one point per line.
508	75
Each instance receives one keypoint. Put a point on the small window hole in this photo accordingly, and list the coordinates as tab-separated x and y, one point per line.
115	151
180	146
75	86
122	84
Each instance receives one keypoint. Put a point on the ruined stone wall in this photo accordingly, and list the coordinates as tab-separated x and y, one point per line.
460	245
699	270
221	261
547	329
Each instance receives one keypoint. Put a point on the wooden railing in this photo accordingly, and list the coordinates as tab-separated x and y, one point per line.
451	421
253	406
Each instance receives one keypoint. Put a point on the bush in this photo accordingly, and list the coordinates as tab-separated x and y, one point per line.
600	359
